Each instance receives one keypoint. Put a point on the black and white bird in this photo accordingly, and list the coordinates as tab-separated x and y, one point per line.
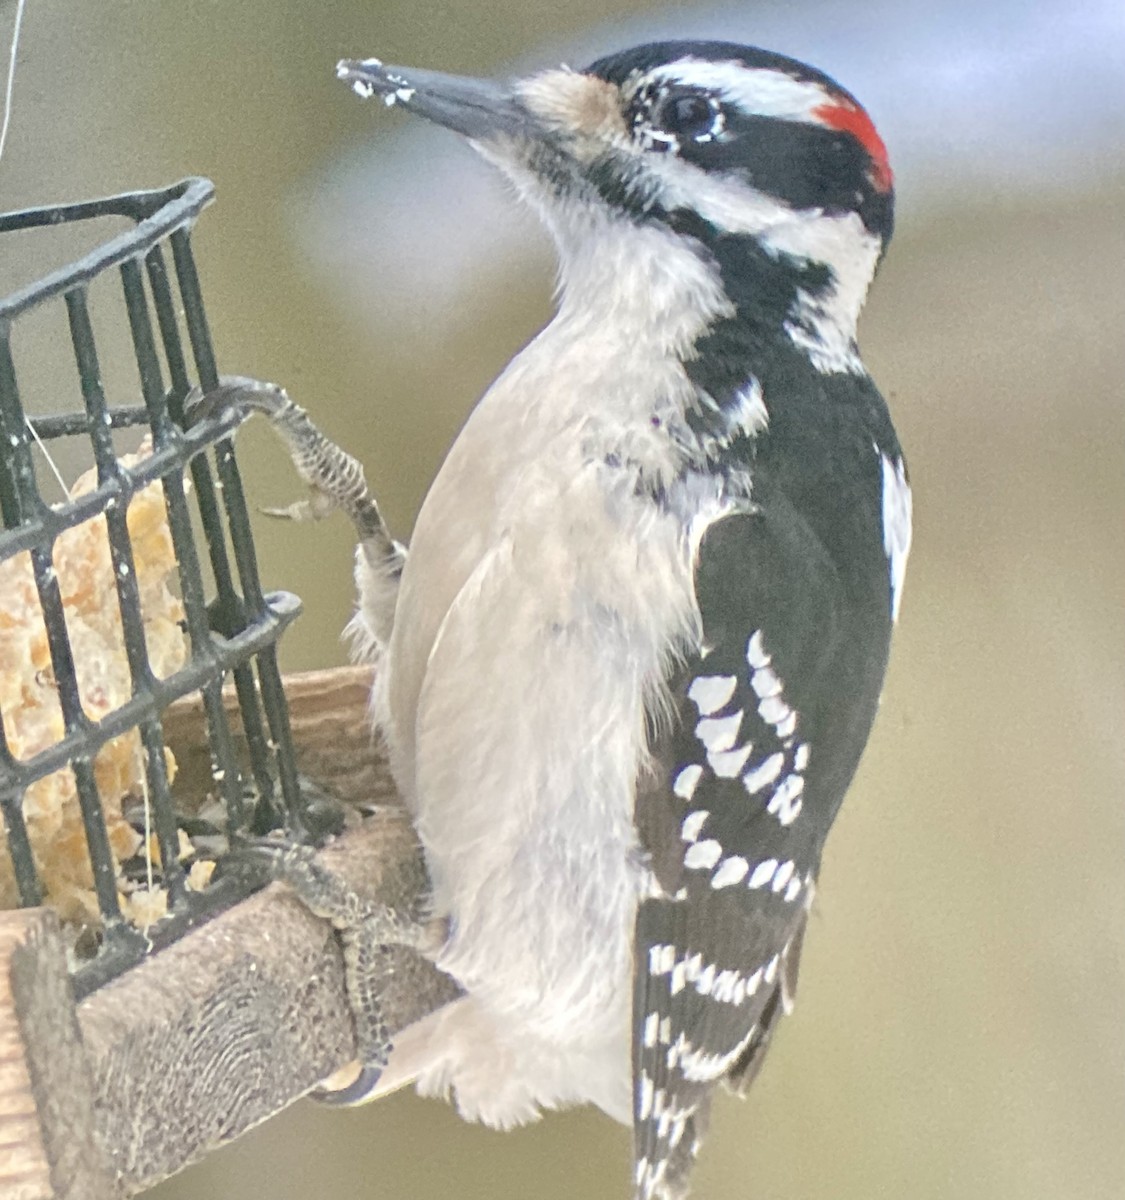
629	663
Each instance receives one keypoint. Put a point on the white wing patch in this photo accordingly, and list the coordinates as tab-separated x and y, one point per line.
897	525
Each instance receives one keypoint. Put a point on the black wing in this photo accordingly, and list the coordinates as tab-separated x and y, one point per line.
770	720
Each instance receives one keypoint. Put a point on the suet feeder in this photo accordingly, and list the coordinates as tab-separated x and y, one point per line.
162	1008
119	562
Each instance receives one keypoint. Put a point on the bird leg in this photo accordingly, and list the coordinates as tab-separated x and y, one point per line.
372	922
335	478
336	481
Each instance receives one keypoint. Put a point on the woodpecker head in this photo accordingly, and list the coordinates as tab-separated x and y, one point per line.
755	157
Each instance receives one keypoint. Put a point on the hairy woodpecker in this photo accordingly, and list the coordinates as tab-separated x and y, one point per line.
629	663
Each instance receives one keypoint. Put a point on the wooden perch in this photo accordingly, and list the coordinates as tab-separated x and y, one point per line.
224	1028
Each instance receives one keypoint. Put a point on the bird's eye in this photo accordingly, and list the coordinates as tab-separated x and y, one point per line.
691	116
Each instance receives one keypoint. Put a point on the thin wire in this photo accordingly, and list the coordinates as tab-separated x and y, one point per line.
47	455
9	85
11	81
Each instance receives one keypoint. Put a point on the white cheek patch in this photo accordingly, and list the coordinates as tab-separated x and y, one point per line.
823	326
723	200
839	241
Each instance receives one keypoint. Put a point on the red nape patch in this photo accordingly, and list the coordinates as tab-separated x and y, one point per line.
850	118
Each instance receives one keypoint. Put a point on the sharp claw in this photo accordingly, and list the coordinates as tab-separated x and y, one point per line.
299	510
240	392
355	1092
270	848
262	857
314	508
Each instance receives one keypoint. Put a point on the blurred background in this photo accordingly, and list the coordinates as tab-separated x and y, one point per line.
961	1026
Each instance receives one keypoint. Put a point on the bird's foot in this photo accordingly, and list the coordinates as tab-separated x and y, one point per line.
370	931
335	479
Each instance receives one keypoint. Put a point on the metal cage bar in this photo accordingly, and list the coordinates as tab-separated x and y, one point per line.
251	601
231	624
226	769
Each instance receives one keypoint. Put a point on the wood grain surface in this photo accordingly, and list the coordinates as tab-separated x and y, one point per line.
225	1027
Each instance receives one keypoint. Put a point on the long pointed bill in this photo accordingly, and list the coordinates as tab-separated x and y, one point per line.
477	108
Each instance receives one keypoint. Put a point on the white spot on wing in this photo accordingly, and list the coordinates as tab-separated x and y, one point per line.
710	692
731	871
785	803
728	763
719	733
693	823
763	873
756	655
651	1029
678	1126
773	710
678	979
764	773
782	875
705	980
661	959
686	781
700	1067
765	682
724	986
702	855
